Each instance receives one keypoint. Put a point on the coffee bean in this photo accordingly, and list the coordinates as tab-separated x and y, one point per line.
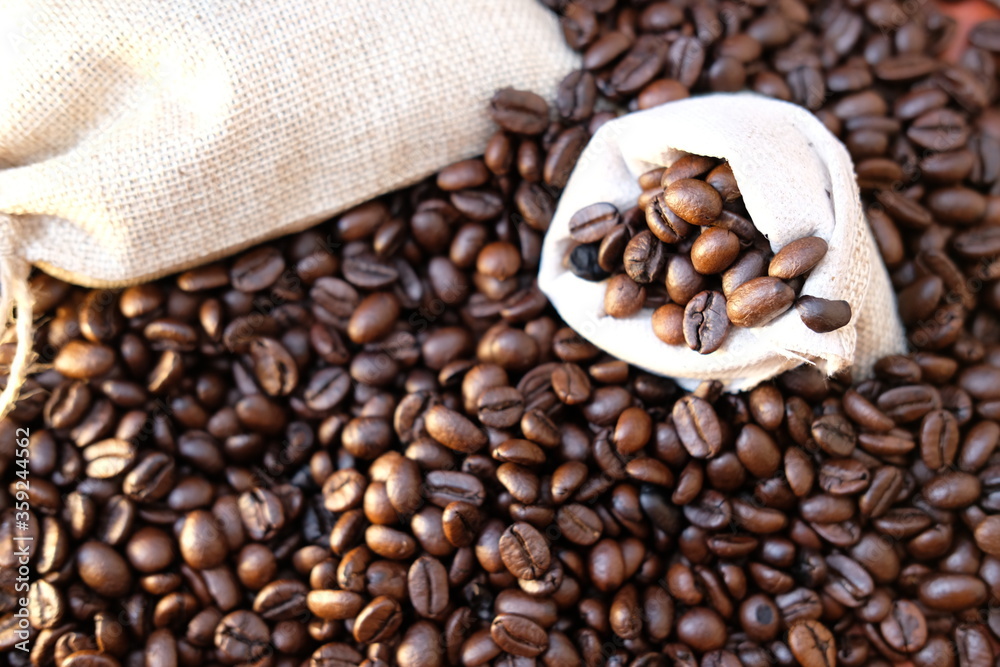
103	569
714	250
262	513
812	644
243	637
823	315
524	551
579	524
951	592
683	282
639	66
593	223
563	156
702	629
750	265
518	635
694	201
645	258
257	270
584	261
905	628
519	111
698	427
758	301
705	323
686	166
665	224
797	258
82	360
721	178
668	323
453	430
378	621
624	297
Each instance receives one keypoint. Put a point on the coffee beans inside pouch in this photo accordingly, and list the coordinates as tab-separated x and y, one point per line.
722	238
699	282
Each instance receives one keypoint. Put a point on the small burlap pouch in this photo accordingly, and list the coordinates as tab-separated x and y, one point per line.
797	180
139	138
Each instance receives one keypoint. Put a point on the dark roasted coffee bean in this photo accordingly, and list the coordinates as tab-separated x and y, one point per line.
624	297
685	60
645	258
584	262
687	166
663	222
694	201
798	257
705	322
563	156
812	644
823	315
683	282
758	301
519	111
453	430
639	66
524	551
593	223
518	635
698	427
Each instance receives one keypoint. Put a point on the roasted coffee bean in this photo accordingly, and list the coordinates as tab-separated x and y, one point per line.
750	265
624	296
823	315
668	323
721	178
519	111
798	257
378	621
524	551
812	644
714	250
645	258
243	637
453	430
952	592
563	155
683	282
698	427
694	201
639	66
705	322
665	224
905	628
593	223
758	301
686	166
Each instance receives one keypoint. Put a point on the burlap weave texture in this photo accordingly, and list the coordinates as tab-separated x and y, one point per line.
139	138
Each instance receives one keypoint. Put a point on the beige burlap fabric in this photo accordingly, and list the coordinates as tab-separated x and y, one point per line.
797	180
139	138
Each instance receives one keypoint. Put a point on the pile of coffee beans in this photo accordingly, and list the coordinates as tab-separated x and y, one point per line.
697	284
374	442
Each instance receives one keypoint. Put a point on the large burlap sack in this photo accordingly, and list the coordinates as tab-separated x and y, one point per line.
139	137
797	180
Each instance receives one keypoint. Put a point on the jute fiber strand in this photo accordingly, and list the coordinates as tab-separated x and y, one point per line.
797	180
139	138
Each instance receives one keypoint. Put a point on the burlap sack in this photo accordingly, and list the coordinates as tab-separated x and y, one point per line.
797	180
139	138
